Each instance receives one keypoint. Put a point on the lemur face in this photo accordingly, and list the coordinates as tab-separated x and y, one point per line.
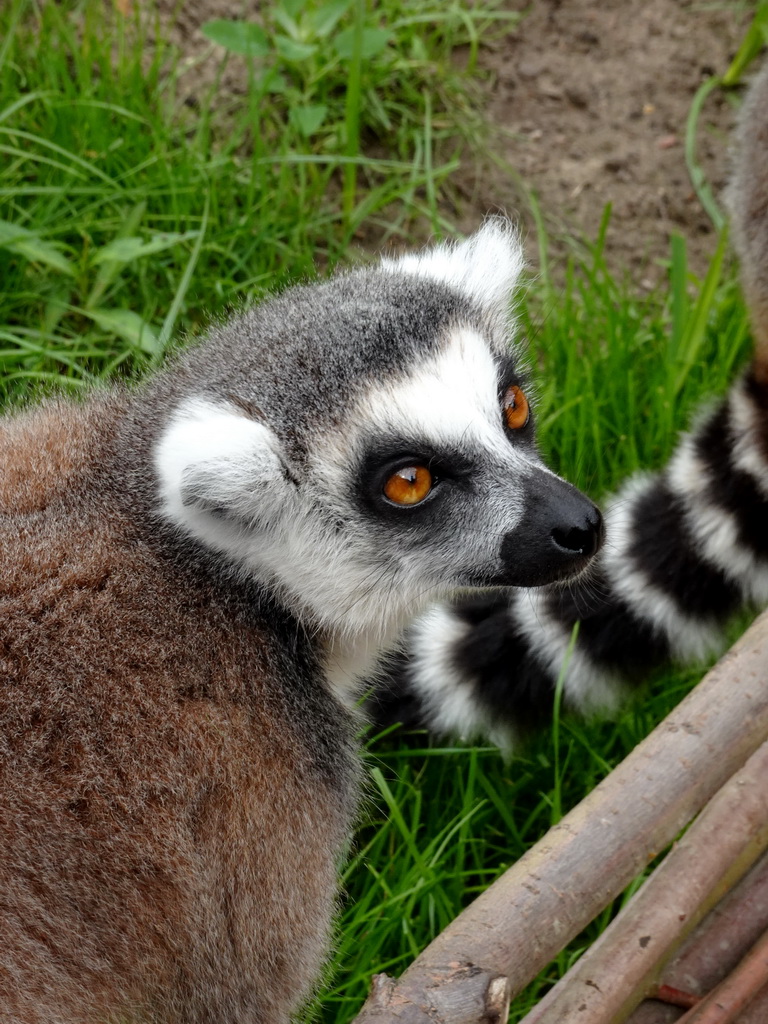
439	472
375	447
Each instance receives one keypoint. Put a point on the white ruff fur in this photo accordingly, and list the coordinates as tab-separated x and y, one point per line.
275	533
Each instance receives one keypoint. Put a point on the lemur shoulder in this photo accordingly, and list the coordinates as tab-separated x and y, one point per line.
198	577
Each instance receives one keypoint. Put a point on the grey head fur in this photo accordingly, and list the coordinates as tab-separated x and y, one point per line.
271	444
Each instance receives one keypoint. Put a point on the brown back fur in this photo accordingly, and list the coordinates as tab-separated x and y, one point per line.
143	717
748	204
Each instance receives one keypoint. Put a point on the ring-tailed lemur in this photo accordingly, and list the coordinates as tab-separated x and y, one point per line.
194	576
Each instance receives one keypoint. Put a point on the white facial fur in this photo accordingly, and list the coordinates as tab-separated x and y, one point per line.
451	399
213	457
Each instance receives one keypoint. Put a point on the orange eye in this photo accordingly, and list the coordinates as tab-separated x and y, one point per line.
409	485
515	406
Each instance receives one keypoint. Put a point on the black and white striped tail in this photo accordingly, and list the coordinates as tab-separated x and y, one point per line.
685	548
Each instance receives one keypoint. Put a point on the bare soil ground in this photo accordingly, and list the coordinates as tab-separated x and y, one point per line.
588	100
593	97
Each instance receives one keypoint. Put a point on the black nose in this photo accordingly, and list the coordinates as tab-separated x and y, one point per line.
561	530
581	540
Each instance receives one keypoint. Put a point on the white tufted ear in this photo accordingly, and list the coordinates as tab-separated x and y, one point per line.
220	470
484	266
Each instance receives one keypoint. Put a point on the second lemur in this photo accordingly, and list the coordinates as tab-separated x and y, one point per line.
686	548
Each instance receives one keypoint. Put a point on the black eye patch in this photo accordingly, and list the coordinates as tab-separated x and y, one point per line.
386	457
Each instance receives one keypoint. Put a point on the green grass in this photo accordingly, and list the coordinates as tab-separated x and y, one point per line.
128	219
622	374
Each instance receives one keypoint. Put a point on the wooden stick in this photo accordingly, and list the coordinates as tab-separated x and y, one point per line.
614	976
715	948
519	923
675	996
724	1004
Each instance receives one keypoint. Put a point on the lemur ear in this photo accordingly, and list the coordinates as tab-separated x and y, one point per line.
217	463
485	266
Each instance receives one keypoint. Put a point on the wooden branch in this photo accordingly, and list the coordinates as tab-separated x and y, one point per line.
757	1011
724	1004
674	996
715	947
614	976
522	921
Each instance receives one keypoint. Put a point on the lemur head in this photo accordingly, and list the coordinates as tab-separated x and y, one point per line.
366	445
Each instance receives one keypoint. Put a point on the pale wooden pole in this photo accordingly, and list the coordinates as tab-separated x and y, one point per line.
726	1003
712	951
512	931
619	970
